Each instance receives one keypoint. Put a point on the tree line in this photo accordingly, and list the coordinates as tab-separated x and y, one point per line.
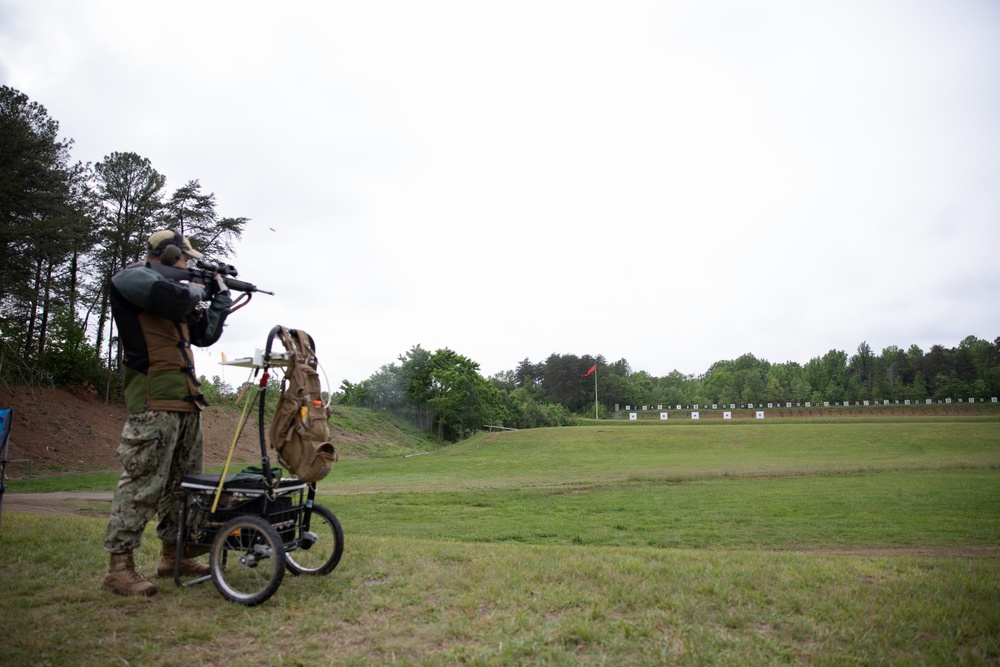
445	392
970	370
65	229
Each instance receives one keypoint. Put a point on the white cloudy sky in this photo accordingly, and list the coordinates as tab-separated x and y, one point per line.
674	183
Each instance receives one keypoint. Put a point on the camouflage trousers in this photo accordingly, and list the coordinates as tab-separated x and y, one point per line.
156	450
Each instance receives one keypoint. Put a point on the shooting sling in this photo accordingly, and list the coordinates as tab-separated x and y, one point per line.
299	432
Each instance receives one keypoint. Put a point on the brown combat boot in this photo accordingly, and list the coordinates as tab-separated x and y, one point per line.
189	566
122	578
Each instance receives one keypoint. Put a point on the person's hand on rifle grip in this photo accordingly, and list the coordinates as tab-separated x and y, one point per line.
220	284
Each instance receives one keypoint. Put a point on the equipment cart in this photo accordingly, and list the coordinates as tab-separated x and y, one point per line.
255	525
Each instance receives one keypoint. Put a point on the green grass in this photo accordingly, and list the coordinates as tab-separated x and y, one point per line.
618	452
867	510
373	433
426	602
847	543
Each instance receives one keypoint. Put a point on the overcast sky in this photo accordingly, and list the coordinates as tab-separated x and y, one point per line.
674	183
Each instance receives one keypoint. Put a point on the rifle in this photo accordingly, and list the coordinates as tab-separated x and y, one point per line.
204	272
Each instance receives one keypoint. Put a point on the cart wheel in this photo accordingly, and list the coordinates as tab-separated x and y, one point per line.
247	560
319	550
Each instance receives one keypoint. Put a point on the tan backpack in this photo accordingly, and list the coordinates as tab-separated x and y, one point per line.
299	432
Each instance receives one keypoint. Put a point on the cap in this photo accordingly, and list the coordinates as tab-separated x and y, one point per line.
160	241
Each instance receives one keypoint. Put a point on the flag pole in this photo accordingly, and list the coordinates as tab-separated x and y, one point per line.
596	415
593	371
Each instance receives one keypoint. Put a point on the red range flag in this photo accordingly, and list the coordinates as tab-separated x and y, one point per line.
592	369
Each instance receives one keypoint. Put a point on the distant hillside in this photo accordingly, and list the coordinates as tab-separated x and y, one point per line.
364	433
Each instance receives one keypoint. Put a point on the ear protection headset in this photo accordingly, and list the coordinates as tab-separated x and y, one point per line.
169	249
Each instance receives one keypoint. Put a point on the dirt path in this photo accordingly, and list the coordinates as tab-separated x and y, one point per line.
65	503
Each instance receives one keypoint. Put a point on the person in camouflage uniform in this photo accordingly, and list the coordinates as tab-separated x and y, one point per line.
158	320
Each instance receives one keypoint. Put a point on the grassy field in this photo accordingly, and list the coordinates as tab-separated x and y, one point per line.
759	543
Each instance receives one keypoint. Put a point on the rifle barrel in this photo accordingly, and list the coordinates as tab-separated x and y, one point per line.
241	286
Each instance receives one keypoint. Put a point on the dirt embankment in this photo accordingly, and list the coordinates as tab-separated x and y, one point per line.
61	430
